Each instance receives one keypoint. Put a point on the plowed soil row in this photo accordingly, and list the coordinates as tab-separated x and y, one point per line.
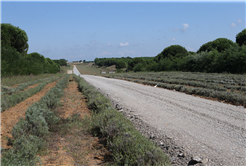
11	116
69	142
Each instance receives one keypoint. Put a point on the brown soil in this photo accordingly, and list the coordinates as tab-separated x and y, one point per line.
70	143
11	116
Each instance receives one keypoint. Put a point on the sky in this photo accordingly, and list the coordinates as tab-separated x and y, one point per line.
82	30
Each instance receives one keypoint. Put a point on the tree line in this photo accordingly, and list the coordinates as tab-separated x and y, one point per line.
14	57
217	56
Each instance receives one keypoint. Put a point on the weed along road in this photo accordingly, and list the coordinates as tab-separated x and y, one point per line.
211	131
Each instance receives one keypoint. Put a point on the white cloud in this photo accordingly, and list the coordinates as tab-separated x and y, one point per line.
185	27
124	44
233	24
109	44
239	21
172	39
121	53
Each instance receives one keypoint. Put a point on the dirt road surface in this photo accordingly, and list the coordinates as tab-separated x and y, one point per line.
208	129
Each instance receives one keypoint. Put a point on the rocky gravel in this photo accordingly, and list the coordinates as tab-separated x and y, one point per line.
190	130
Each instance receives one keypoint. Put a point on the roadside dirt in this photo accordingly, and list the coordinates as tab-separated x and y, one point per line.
11	116
69	142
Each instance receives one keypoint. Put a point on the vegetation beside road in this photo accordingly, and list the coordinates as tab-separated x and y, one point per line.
126	144
230	88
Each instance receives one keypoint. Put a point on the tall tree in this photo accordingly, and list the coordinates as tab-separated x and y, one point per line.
14	37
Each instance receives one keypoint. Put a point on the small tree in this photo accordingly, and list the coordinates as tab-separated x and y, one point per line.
241	38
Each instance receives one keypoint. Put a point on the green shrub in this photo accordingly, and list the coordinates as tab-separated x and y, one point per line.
24	152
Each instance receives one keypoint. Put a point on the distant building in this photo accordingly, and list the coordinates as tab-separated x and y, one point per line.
111	72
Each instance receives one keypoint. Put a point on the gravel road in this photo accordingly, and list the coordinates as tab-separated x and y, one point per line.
210	130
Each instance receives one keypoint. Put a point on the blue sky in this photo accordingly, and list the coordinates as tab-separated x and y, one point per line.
88	30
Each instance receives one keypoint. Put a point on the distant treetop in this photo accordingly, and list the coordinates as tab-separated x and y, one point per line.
171	52
219	44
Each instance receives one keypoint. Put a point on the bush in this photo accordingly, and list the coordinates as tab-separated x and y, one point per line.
24	151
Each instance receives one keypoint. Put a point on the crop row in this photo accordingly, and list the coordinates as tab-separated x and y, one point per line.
28	134
21	87
230	97
182	81
8	101
226	79
126	144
